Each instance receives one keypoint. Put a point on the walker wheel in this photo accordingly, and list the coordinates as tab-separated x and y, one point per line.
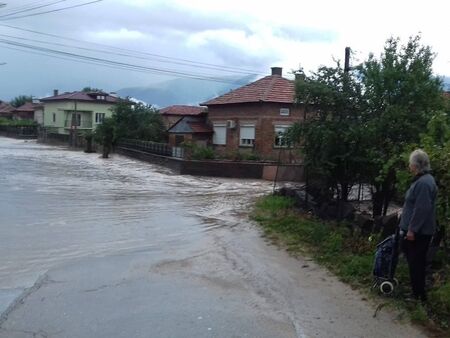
386	288
396	282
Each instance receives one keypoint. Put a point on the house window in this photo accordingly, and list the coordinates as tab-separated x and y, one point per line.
280	138
247	135
101	97
54	117
284	111
220	134
99	117
76	119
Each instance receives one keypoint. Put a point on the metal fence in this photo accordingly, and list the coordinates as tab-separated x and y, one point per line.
19	131
152	147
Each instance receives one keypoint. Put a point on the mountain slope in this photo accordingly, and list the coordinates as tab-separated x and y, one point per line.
183	91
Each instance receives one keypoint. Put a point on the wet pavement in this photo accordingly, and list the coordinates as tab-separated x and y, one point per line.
120	248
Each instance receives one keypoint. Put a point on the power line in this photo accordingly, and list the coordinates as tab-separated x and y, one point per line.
51	11
195	63
124	54
32	8
114	63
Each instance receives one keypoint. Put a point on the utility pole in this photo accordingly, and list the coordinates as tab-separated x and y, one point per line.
347	60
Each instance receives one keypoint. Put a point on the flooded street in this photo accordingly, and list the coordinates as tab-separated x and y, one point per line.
57	205
120	248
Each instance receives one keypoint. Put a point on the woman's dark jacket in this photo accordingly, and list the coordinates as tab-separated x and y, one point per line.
419	210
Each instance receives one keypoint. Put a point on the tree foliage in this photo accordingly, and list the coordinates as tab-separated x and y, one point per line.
138	121
332	136
129	120
105	134
402	94
20	100
364	120
91	89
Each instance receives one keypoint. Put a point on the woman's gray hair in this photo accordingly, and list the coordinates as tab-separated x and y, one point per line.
420	160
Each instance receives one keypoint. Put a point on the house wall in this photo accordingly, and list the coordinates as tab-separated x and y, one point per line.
170	120
63	110
202	140
265	116
23	115
39	116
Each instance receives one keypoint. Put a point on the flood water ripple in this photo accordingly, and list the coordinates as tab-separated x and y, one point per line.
57	205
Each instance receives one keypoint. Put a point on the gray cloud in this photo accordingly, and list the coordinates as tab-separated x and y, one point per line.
168	28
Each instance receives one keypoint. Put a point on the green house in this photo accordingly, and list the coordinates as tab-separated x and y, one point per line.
80	111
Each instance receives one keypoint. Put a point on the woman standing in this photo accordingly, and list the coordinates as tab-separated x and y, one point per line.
418	220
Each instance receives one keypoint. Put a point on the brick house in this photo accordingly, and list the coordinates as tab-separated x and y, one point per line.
190	129
29	111
6	110
172	114
254	117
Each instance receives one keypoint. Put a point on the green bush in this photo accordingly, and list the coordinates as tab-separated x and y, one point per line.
16	123
203	153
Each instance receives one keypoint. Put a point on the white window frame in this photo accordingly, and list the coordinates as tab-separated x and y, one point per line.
279	139
220	139
247	137
99	117
54	118
285	111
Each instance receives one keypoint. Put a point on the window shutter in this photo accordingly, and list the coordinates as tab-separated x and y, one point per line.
248	132
220	134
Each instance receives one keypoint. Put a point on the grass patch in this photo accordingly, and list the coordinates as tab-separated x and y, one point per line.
349	256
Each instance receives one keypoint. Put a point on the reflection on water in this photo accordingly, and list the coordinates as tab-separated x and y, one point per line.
57	205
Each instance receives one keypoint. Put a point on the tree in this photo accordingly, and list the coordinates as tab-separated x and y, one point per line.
365	119
105	135
401	94
20	100
331	138
138	121
90	89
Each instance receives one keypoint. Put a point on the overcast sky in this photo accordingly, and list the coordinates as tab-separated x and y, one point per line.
245	36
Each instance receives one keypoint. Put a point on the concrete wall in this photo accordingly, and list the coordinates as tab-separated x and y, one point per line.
256	170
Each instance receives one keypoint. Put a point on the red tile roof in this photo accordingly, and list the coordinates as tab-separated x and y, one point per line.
182	110
28	107
273	88
5	107
83	96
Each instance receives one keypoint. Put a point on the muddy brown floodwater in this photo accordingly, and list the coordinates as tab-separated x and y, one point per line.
120	248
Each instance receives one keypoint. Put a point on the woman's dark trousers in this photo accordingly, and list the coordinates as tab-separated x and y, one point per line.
416	254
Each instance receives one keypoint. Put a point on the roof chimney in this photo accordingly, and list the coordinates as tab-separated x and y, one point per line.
277	71
55	92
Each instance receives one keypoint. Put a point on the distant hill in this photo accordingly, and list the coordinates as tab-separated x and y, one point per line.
446	82
184	91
